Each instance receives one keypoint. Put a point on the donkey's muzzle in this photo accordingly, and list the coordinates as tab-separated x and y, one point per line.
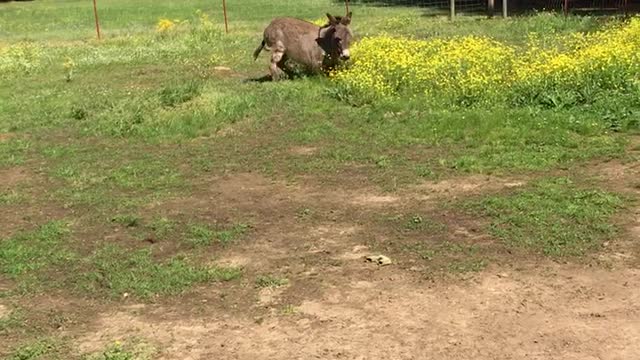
345	55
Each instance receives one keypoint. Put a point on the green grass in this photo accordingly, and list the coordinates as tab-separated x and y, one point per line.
204	235
126	220
137	273
29	251
554	217
146	118
11	197
13	151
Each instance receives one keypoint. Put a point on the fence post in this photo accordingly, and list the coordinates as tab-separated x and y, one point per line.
346	6
453	9
565	8
224	12
504	9
95	15
491	5
626	8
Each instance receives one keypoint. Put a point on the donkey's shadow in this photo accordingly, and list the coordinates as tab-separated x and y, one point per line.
262	79
292	71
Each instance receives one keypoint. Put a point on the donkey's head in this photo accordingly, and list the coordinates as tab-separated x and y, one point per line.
335	37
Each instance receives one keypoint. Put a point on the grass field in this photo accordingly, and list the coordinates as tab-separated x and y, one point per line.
157	202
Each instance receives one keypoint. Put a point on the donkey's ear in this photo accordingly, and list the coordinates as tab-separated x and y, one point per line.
347	19
332	20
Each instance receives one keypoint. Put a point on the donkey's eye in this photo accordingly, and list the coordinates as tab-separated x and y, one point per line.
338	39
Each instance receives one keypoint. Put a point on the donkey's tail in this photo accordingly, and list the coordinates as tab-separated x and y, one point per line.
257	51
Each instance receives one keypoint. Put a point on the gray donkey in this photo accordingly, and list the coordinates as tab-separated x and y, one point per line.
318	48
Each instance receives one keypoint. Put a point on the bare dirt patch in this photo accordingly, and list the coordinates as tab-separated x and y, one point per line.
4	311
557	313
5	136
304	150
13	176
466	185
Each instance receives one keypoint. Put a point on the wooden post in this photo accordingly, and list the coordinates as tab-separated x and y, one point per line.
504	9
453	9
95	15
346	6
224	11
565	8
491	5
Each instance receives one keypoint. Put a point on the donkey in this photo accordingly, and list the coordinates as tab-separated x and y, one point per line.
318	48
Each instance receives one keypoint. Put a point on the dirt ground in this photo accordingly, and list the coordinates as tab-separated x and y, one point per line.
550	312
338	306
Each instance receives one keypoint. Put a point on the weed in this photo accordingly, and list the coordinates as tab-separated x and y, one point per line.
36	350
176	94
126	220
12	152
270	281
200	235
450	257
132	349
226	237
9	323
288	310
162	227
11	197
78	113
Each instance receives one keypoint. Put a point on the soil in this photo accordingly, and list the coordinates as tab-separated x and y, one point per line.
338	306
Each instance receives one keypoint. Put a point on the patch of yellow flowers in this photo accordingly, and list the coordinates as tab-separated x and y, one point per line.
20	58
472	69
165	25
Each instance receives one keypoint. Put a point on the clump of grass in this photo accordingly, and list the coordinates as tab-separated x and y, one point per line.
11	197
203	235
200	235
450	257
29	251
270	281
554	217
137	273
228	236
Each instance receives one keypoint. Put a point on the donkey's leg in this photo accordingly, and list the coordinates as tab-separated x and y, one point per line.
282	64
277	55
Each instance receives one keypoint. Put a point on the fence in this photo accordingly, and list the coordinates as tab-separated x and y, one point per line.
237	13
